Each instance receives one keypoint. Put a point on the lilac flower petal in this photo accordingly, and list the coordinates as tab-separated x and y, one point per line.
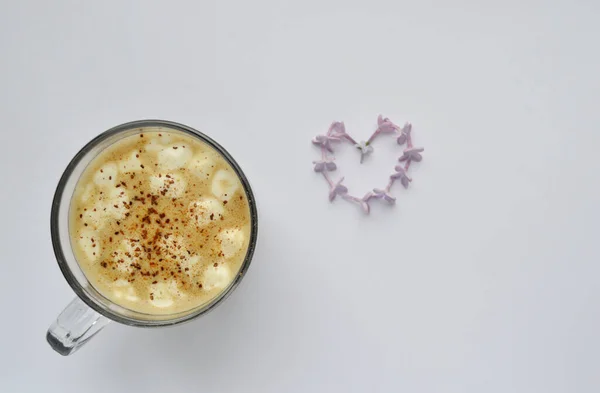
319	139
412	153
337	189
341	189
337	129
326	164
404	180
388	128
404	134
401	174
385	125
383	194
400	169
319	166
324	141
417	154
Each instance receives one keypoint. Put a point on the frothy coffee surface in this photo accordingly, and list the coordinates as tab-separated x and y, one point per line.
160	222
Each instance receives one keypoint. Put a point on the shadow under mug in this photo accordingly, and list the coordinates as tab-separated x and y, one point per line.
90	311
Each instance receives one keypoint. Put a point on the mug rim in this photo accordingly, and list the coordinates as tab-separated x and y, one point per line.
59	253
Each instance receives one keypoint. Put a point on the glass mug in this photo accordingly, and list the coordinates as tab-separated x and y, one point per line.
90	311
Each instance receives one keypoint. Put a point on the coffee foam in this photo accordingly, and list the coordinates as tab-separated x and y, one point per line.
125	256
87	193
170	226
88	243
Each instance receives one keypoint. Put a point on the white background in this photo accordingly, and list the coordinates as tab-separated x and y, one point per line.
483	277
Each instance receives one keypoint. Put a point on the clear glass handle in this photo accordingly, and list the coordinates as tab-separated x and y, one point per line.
74	327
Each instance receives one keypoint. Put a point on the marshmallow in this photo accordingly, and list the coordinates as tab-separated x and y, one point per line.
231	240
224	184
216	277
172	186
93	215
192	264
130	164
157	143
99	213
125	290
115	205
201	211
106	176
163	293
174	156
202	165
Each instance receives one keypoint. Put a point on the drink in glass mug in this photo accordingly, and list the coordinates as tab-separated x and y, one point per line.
153	224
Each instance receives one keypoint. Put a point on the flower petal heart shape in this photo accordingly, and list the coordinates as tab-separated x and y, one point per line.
337	133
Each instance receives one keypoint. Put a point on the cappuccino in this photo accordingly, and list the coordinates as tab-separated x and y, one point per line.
160	222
